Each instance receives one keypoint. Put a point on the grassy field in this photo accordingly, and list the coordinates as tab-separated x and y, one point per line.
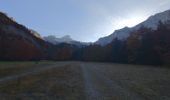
12	68
61	83
65	81
148	82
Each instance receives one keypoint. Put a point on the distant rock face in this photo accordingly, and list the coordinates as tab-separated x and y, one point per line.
65	39
119	34
152	22
122	34
54	40
17	42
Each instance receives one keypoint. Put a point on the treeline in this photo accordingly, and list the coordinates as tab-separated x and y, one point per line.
144	46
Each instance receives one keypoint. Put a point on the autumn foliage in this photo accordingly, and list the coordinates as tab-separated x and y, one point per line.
143	46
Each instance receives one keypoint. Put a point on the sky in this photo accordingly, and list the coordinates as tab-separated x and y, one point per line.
83	20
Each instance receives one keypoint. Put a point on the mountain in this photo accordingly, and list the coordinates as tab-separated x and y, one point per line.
65	39
122	34
145	45
18	42
55	40
119	34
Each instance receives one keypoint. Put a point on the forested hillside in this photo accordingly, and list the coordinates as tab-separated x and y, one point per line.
143	46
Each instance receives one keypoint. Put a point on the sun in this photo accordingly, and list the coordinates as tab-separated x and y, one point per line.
128	22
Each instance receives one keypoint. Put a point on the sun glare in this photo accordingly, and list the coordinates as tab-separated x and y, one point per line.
129	22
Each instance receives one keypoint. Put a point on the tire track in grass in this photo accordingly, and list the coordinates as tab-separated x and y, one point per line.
101	87
90	89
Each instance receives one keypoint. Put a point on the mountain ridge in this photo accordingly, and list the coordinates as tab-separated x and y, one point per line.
137	45
122	34
65	39
17	41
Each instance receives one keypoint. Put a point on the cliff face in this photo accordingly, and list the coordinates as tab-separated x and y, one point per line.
17	42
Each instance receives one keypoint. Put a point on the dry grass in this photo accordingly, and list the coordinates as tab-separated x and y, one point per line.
12	68
61	83
65	81
151	83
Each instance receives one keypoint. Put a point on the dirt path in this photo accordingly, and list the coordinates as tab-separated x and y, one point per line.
90	87
98	86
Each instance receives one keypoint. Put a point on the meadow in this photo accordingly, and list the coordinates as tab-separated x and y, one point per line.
47	80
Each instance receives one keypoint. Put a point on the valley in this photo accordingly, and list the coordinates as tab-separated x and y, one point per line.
85	50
